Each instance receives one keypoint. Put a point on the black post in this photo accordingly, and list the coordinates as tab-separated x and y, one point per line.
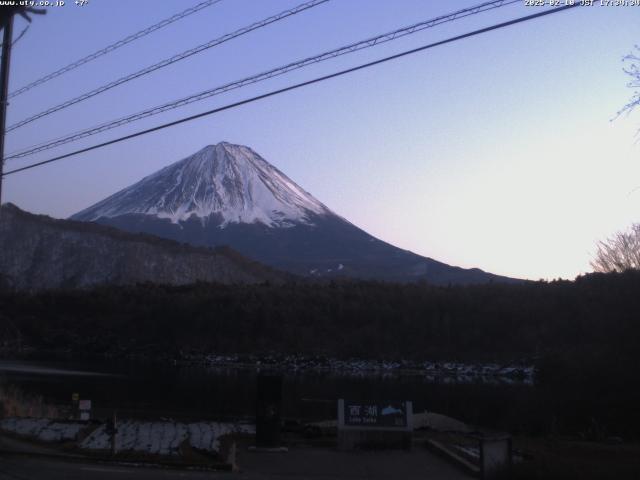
268	410
112	430
4	88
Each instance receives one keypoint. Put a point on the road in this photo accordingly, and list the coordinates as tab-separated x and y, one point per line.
302	464
24	468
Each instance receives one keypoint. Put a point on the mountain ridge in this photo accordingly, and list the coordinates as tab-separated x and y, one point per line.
41	252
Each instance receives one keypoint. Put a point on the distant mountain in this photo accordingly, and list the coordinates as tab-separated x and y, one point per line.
39	252
227	194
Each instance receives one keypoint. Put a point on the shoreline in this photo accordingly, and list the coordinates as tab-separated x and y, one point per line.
451	371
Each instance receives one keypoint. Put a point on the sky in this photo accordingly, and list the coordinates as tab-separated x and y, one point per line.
498	151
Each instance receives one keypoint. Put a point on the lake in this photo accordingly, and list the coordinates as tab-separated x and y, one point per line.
152	391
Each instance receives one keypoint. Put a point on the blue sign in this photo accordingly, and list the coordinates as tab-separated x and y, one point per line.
375	414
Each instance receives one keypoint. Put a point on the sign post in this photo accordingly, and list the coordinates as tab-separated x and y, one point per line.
75	398
112	430
268	410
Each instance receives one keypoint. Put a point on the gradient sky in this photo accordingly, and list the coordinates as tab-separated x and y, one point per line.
494	152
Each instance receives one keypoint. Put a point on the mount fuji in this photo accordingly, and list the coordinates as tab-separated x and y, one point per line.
227	194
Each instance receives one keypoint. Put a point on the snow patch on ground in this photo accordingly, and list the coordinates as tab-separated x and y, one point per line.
473	452
439	422
164	438
42	429
161	438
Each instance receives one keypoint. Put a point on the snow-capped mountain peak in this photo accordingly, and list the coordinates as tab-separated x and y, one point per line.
227	194
231	183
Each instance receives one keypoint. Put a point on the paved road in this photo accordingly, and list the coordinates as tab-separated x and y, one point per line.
329	464
23	468
299	464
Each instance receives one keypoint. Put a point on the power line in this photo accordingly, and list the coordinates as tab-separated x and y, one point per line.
296	86
169	61
368	43
24	30
22	33
115	46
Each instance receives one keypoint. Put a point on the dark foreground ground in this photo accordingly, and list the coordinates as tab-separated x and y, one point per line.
12	468
299	464
548	459
540	458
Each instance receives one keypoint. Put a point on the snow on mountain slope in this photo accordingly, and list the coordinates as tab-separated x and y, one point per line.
230	182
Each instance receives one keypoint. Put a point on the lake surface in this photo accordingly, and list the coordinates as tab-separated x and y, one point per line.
145	391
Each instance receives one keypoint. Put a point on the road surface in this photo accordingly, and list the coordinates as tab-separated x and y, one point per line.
299	464
24	468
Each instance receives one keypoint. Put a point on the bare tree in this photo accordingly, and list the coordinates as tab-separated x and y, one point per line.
632	69
620	252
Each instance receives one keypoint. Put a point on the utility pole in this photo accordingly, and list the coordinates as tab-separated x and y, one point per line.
6	22
7	38
112	430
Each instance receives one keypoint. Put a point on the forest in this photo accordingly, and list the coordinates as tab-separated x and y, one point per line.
596	314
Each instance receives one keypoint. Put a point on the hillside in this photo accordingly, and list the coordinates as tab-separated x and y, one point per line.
39	252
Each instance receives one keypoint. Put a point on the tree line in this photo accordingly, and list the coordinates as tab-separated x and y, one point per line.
595	313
